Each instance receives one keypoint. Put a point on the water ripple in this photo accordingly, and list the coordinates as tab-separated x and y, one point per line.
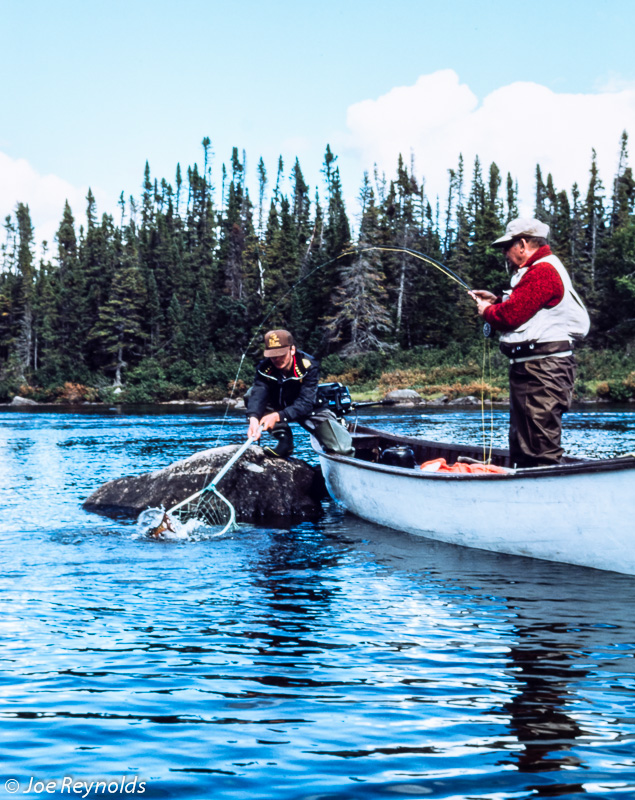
333	660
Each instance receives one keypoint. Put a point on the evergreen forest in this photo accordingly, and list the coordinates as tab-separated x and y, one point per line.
162	300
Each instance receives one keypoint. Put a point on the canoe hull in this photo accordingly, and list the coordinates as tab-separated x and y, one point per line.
585	518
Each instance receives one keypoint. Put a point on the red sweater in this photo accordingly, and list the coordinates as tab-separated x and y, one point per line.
540	287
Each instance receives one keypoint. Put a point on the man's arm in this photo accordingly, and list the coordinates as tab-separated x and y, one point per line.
304	404
256	404
541	287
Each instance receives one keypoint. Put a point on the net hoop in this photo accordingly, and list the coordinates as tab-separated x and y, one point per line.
208	507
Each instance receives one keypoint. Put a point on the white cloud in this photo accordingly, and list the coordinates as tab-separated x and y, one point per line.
44	194
517	126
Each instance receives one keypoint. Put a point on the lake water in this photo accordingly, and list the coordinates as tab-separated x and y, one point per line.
334	660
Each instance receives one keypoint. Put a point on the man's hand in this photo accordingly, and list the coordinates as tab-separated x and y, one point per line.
484	299
257	426
254	428
269	420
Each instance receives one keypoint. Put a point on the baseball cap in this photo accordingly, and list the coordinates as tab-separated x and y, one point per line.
522	227
277	343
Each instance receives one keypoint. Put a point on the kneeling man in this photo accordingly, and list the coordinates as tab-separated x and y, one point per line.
284	391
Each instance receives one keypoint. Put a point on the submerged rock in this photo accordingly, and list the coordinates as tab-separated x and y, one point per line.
261	489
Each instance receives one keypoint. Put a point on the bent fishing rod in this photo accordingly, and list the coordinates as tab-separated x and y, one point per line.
416	254
351	251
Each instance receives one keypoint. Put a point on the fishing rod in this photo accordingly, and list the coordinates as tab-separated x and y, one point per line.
421	256
351	251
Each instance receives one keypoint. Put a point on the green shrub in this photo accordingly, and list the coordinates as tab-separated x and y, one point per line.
620	391
161	392
8	389
139	394
222	370
333	365
205	393
180	372
148	372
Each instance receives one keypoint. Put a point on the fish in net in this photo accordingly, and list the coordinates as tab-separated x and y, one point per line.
207	507
207	512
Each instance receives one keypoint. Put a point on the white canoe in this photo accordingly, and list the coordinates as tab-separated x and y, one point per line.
578	512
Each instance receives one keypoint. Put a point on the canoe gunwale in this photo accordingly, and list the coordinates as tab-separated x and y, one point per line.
573	466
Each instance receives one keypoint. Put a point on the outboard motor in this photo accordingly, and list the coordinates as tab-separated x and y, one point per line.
334	396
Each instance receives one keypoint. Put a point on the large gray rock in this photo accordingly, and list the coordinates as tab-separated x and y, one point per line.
466	400
260	488
22	401
403	397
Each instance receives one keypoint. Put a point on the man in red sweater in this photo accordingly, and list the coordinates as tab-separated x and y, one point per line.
538	318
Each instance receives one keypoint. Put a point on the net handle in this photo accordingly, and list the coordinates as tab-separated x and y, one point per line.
233	459
212	486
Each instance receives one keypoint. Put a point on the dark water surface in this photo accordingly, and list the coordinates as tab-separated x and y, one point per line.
334	660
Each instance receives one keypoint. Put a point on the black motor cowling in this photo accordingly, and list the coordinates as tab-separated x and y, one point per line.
335	397
398	457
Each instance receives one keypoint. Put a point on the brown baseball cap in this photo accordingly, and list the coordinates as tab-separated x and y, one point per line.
277	343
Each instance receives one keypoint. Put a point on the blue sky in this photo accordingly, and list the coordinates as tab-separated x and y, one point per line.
90	90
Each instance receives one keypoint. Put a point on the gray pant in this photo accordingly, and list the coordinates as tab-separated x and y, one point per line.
323	424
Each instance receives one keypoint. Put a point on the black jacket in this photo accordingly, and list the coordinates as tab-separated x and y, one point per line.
293	396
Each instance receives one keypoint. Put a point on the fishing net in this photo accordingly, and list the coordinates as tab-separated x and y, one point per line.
207	513
209	508
206	508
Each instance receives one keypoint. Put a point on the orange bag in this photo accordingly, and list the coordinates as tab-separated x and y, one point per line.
441	465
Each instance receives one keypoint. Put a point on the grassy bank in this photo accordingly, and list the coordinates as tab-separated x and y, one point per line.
434	373
456	372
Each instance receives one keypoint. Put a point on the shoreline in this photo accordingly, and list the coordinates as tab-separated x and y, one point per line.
467	402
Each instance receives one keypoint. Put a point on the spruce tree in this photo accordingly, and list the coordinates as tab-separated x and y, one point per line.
73	320
594	225
25	286
615	274
361	320
540	209
512	199
485	209
118	330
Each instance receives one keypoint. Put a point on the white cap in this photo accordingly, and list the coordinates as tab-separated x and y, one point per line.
522	227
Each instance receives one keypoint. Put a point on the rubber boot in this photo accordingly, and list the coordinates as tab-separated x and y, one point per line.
284	446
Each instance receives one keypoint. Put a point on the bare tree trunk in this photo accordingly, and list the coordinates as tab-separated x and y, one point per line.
400	297
120	365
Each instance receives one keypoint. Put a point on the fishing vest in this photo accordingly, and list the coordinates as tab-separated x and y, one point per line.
550	331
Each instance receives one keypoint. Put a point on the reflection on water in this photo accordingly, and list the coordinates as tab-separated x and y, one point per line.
334	660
